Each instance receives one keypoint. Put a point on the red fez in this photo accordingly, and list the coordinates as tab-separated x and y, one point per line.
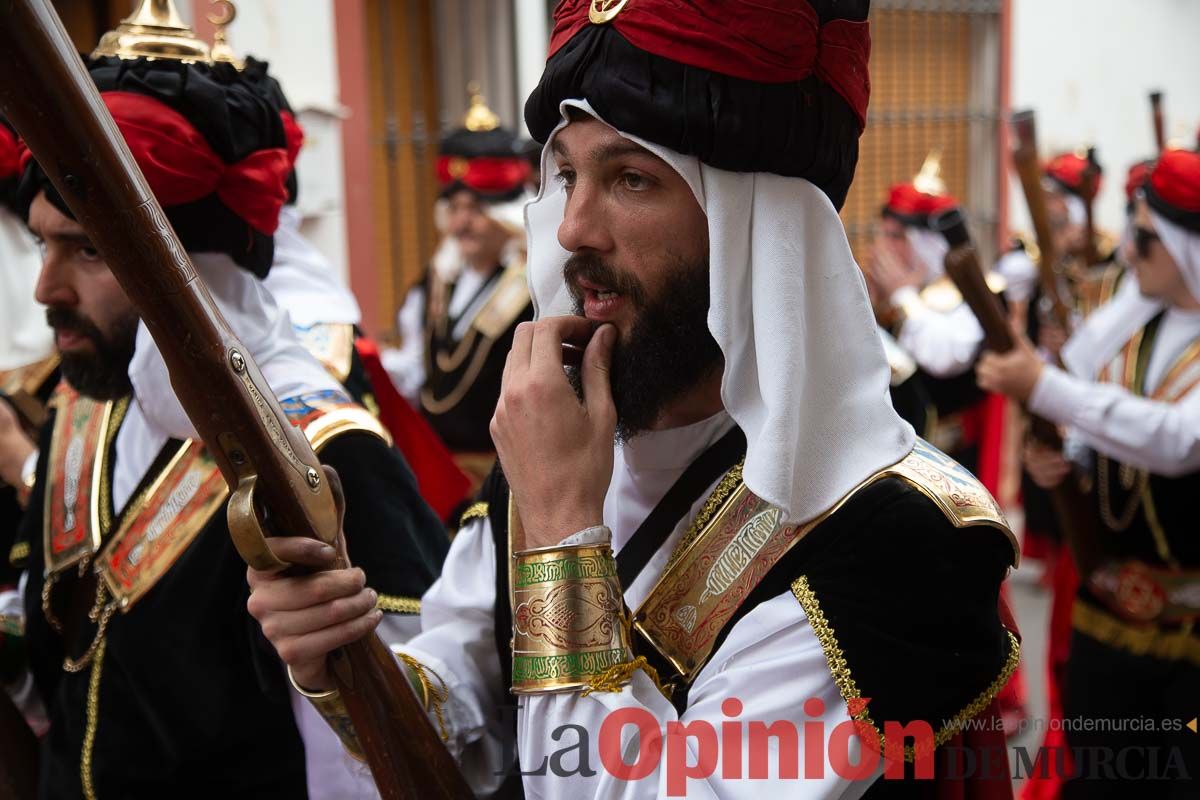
1174	188
909	205
486	176
1067	170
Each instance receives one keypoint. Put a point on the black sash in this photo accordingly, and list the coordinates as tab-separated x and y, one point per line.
700	474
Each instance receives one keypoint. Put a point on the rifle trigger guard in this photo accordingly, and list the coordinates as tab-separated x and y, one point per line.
246	530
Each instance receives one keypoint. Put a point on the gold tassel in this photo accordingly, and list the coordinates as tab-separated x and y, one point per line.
433	698
617	676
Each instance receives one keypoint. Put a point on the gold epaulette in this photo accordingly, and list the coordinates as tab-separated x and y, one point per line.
1028	244
29	378
943	296
952	488
738	538
23	386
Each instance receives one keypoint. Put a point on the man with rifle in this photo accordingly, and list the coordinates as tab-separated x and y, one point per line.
933	324
155	679
782	539
1128	393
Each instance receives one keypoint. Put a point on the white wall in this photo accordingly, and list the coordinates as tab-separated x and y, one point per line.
1087	66
298	39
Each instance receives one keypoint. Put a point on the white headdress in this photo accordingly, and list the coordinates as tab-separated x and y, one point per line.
805	374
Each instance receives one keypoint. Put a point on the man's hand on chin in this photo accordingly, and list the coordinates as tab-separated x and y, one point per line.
557	452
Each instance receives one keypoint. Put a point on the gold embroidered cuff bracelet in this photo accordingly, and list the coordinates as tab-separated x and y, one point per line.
331	708
570	625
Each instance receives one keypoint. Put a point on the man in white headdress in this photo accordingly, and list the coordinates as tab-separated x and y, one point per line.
782	540
457	324
931	323
1130	396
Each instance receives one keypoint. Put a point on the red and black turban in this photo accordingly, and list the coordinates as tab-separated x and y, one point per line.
1066	172
10	164
1173	189
776	86
213	149
910	206
491	164
256	73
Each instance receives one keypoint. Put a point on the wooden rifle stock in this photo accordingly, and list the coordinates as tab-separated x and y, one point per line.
1156	110
1071	506
47	94
1090	183
1029	170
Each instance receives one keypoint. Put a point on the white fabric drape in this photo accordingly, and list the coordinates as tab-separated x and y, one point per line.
805	372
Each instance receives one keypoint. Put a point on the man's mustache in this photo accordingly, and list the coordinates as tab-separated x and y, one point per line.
65	319
593	269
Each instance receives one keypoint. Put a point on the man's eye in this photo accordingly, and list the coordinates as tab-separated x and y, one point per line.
566	177
635	181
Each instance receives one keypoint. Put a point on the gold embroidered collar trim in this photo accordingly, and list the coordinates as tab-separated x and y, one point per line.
77	510
163	519
738	538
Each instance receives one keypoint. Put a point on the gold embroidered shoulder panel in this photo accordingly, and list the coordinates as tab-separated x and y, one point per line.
162	520
716	570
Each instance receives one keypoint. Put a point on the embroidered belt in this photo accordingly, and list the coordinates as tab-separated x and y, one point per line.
1141	639
1140	593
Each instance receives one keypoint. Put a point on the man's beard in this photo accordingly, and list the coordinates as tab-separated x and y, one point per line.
668	352
103	374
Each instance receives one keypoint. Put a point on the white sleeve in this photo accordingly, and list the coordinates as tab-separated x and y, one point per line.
944	344
1020	273
330	770
457	643
771	662
21	689
1163	438
406	365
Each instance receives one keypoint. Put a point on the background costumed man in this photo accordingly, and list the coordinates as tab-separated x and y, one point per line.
1129	394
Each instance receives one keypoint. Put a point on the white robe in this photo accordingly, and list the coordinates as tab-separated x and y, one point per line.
771	660
1158	436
